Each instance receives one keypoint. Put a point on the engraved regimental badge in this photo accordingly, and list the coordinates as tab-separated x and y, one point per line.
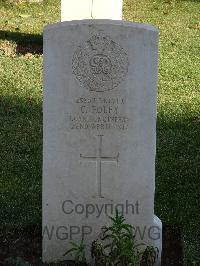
100	64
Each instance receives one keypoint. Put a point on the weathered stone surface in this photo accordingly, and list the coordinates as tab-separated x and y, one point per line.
100	81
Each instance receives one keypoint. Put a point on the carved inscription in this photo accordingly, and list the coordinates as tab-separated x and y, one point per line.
98	113
99	158
100	64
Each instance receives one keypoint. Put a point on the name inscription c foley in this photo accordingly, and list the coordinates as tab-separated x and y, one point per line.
98	113
100	64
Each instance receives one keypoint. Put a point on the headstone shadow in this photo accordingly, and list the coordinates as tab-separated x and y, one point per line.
26	43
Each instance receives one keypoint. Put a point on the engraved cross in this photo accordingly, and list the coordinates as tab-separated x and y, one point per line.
98	159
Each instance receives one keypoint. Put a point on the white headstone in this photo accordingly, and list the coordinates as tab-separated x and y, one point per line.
91	9
100	79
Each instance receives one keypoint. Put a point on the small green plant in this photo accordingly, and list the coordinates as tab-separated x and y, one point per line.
79	253
116	246
120	247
